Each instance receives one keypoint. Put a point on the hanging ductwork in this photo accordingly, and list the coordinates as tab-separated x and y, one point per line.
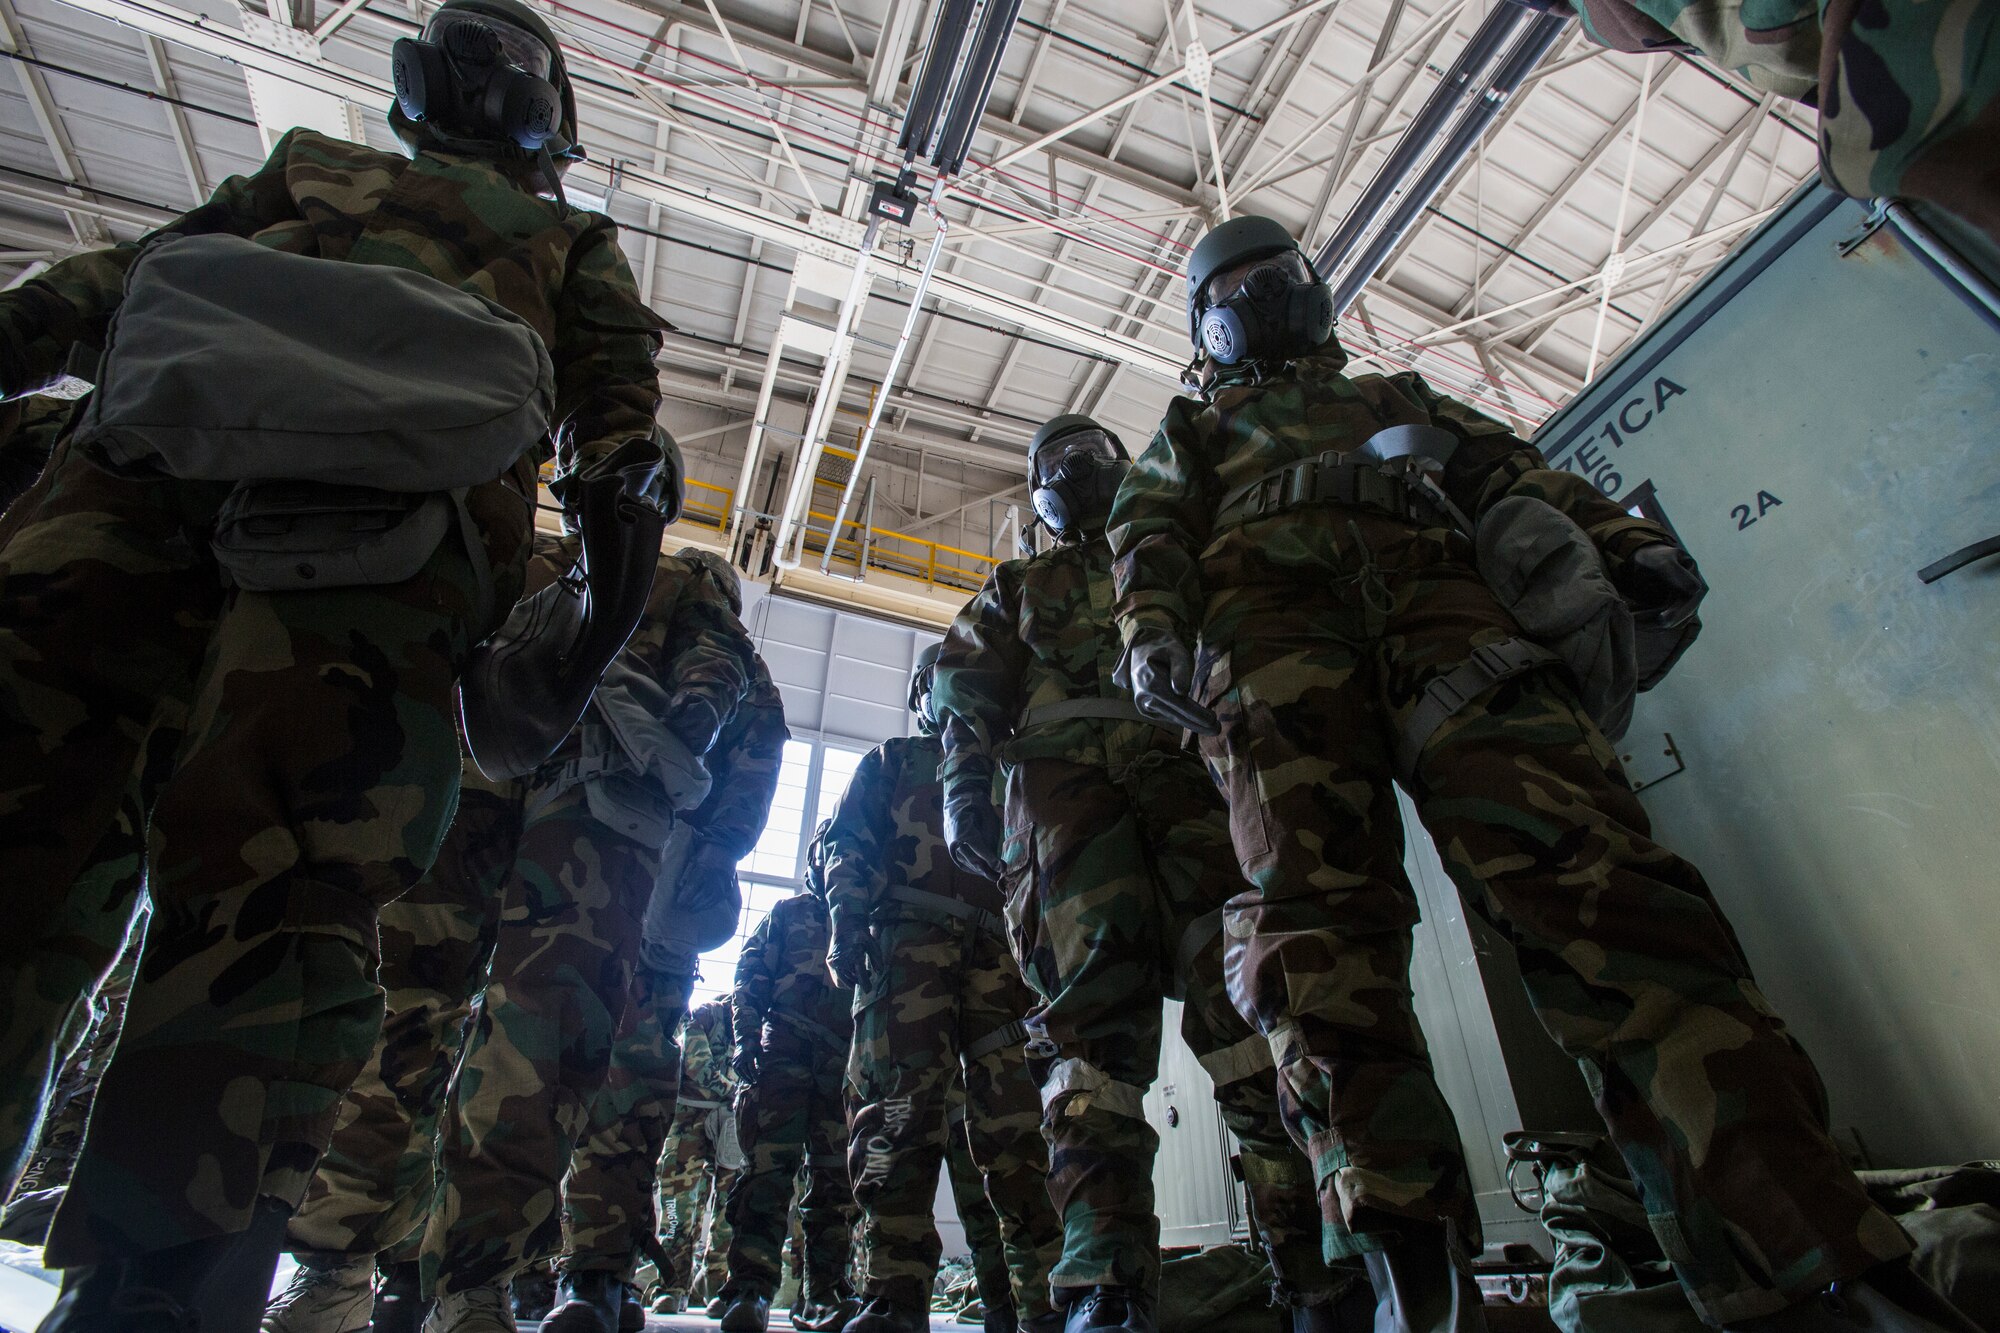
1502	52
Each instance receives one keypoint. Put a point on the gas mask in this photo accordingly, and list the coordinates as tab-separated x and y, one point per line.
1270	308
921	682
476	76
720	570
1075	469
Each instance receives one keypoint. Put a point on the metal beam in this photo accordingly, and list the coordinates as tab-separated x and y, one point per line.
1556	198
163	81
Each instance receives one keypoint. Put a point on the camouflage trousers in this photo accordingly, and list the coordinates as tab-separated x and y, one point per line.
1112	889
46	1013
1627	957
692	1184
945	1005
373	1190
791	1117
538	1044
975	1210
608	1202
75	1088
315	782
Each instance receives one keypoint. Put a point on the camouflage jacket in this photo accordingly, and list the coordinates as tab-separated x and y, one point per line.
743	766
888	834
705	1071
1040	632
1775	46
784	994
688	647
459	219
1163	519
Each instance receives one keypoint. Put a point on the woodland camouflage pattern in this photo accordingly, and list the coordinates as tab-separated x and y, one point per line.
563	973
321	764
372	1192
690	1176
1905	88
975	1210
1117	857
786	1009
47	1010
75	1087
943	985
609	1199
1319	629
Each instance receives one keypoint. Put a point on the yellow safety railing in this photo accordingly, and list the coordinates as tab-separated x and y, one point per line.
934	564
701	506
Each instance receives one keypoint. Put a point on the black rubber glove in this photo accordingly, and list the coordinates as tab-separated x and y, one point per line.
1159	670
1662	584
972	831
644	472
693	718
850	956
744	1062
708	878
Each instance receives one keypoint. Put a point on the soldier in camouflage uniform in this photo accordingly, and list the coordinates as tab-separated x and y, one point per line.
1348	643
1116	859
792	1028
608	1201
538	1048
374	1192
937	995
320	768
691	1172
1904	88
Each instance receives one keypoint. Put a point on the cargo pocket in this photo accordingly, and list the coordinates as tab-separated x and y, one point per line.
1228	756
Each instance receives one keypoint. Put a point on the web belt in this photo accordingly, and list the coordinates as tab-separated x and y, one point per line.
1399	487
1069	710
1489	665
698	1104
936	904
1007	1034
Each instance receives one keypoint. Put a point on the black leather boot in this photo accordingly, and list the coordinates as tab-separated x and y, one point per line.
1351	1311
879	1315
1887	1299
631	1310
1110	1310
400	1302
1001	1318
215	1285
1418	1289
586	1303
746	1312
823	1306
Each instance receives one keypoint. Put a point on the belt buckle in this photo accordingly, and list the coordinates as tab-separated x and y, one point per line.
1495	659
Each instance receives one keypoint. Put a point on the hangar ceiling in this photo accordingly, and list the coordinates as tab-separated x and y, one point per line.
736	142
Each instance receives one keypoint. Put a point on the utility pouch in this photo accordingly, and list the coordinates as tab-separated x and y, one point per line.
230	361
1549	574
287	536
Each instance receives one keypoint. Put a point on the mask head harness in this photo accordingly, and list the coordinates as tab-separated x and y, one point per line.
718	569
921	681
1253	295
1074	468
486	73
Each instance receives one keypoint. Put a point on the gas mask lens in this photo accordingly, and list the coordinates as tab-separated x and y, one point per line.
458	31
1092	444
1286	268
